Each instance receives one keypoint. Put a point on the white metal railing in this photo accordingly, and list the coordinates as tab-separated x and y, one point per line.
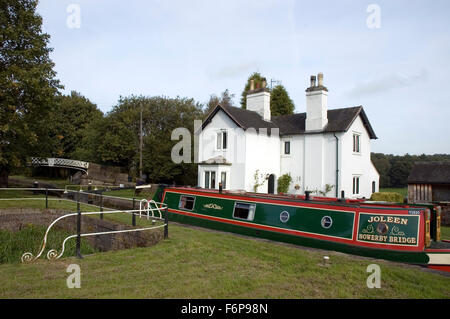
146	207
53	254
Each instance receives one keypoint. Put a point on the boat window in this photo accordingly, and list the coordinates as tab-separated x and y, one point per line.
244	211
187	202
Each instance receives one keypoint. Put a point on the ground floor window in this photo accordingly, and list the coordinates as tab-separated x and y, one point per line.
355	185
210	179
223	179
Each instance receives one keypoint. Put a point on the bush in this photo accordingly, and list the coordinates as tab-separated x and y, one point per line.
283	183
387	197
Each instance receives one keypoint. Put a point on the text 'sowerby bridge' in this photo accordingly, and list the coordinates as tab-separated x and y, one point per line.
60	162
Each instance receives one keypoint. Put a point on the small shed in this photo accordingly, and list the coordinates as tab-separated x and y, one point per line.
429	182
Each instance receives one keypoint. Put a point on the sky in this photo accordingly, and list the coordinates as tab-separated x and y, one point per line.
391	57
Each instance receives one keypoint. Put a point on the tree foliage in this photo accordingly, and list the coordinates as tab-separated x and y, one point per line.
28	85
226	99
394	169
283	183
280	102
258	79
69	119
114	139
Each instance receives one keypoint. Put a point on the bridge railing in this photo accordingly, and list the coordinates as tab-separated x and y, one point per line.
59	162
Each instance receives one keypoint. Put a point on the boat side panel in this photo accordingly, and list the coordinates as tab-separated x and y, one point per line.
400	256
301	220
216	213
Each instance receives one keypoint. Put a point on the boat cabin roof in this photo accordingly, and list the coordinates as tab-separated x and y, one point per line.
297	198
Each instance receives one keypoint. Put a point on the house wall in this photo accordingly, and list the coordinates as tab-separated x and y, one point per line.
357	164
293	164
311	164
262	154
235	153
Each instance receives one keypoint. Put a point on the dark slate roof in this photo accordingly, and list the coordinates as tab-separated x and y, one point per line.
430	173
242	118
339	120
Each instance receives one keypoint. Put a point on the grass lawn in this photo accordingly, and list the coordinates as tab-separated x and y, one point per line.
129	193
445	232
53	203
59	182
198	263
195	263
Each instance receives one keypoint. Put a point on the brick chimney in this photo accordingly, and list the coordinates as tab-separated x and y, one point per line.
258	99
316	104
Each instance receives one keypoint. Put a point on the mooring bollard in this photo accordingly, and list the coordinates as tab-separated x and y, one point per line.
166	222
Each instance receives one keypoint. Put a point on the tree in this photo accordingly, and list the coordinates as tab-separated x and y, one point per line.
258	80
399	172
28	85
69	119
114	139
383	165
226	99
280	102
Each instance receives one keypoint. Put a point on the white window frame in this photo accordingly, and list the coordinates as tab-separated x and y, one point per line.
284	148
358	135
226	179
221	134
210	179
357	185
251	211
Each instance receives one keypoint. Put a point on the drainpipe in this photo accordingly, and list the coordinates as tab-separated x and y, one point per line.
337	166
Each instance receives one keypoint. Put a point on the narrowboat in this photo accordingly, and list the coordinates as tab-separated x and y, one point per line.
397	232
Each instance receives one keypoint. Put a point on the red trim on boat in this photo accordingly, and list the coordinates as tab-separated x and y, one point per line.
439	267
287	201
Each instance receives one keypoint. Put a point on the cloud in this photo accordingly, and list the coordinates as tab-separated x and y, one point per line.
388	82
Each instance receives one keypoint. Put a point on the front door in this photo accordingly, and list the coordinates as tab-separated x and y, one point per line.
271	184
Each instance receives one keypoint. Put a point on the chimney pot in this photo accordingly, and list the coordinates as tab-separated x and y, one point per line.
252	85
320	78
313	81
263	83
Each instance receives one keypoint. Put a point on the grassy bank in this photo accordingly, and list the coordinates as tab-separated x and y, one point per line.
196	263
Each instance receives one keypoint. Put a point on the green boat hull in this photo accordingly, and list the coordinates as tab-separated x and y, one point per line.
396	232
399	256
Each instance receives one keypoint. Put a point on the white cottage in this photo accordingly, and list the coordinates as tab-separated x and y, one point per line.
322	150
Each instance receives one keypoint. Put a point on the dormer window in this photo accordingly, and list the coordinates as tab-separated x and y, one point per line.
356	143
222	140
